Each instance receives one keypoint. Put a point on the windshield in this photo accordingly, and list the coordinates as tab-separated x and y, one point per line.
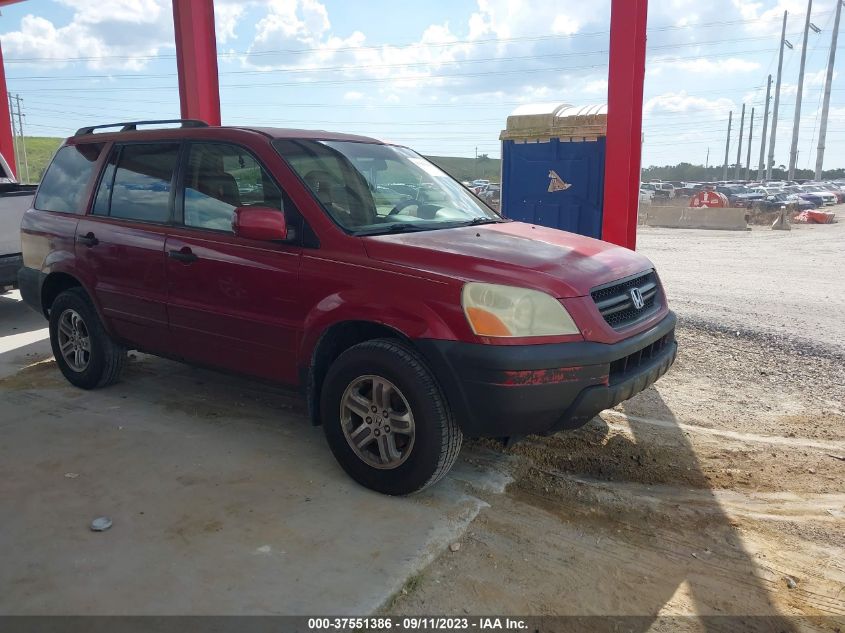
370	188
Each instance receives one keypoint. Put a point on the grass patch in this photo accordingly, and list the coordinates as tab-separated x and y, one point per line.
39	152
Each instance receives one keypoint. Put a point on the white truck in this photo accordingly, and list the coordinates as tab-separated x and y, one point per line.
15	198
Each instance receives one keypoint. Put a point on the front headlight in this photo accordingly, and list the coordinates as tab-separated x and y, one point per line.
507	311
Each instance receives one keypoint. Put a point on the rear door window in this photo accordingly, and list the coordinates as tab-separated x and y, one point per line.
66	181
139	185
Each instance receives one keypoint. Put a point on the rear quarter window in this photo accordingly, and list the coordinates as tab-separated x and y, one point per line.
66	181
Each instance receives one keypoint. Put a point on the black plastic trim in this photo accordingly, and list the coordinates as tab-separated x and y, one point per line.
30	282
486	405
9	267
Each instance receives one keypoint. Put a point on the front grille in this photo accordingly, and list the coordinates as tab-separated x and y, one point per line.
619	368
616	305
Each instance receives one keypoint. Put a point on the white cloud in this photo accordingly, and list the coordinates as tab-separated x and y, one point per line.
353	95
683	102
440	61
226	19
817	78
595	87
765	19
703	65
121	37
304	20
132	11
565	25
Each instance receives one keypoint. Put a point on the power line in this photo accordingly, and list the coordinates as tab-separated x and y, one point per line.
425	77
505	58
410	45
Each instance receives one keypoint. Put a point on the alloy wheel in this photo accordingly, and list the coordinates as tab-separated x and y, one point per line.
377	422
74	340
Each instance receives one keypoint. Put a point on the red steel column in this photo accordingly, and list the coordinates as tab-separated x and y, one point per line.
624	121
196	60
7	141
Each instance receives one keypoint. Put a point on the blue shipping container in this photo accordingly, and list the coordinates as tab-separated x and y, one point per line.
556	183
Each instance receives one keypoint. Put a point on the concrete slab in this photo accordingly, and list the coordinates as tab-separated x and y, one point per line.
224	499
24	338
727	219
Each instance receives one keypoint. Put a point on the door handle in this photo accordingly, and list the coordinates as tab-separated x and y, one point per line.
185	255
88	240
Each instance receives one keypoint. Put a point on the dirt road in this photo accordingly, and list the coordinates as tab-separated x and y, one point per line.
787	283
719	492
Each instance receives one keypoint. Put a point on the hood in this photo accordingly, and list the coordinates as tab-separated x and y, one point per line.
511	253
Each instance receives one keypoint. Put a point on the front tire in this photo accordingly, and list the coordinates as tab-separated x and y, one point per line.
386	420
84	352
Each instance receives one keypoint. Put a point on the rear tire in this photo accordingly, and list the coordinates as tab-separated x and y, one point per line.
391	378
84	352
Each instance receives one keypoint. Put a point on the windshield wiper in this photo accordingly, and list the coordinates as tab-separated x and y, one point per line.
477	221
394	227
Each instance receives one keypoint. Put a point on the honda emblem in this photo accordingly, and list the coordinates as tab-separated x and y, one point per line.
637	298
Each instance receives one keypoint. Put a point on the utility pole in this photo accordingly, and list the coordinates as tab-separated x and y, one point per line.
772	140
750	136
14	135
707	160
727	146
828	80
793	151
23	138
761	168
738	166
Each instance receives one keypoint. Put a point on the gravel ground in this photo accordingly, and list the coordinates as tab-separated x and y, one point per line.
717	492
786	284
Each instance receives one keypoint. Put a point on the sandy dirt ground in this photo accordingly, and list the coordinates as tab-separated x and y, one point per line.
720	491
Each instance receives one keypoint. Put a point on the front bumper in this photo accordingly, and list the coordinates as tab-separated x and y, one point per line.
519	390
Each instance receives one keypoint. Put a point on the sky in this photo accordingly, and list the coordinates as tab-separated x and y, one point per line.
440	76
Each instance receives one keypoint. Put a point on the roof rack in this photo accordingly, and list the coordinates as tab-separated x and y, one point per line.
131	126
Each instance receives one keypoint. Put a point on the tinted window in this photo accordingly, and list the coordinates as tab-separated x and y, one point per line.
142	182
63	186
219	179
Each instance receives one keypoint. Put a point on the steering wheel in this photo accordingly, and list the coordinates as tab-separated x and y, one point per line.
427	209
402	205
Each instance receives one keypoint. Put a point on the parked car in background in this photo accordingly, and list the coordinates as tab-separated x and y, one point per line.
492	195
835	190
688	189
828	197
739	195
646	196
408	319
815	197
15	199
783	200
765	190
664	190
478	186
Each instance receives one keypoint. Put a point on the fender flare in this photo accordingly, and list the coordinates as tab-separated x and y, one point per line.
412	320
409	321
63	262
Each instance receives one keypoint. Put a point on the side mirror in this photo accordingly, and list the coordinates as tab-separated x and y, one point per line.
260	223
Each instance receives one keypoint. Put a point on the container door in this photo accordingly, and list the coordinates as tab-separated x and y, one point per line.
556	184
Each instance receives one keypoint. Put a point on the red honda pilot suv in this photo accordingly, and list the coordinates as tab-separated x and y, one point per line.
408	312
